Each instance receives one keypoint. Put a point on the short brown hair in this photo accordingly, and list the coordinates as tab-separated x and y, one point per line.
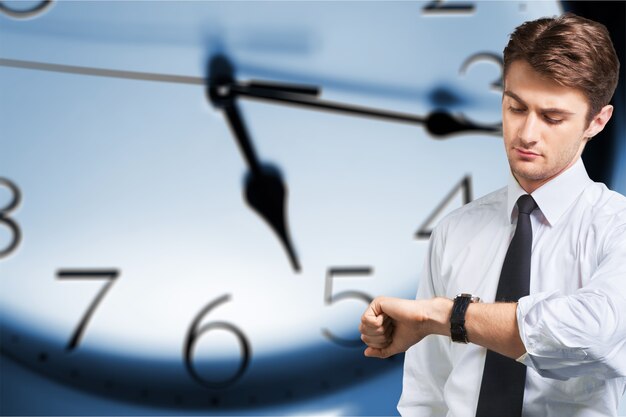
571	50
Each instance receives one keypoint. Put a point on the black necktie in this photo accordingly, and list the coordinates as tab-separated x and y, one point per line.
502	388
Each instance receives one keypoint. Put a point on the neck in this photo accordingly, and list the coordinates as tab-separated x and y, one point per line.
530	185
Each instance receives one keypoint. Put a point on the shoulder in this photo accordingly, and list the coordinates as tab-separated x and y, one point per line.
604	206
606	216
475	215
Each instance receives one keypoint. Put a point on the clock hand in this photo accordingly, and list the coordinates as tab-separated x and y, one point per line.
285	88
442	123
439	123
101	72
265	189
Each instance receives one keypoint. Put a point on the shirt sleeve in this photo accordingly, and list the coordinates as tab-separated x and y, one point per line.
427	364
583	333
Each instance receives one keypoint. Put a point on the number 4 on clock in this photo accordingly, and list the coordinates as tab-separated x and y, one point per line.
464	187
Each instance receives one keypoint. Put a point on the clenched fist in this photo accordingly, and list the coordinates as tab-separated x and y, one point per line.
392	325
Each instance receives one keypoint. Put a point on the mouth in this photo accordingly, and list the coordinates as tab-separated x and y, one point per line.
524	153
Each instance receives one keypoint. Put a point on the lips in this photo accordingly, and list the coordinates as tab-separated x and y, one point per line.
526	153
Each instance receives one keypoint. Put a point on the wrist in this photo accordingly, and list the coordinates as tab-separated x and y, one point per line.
439	317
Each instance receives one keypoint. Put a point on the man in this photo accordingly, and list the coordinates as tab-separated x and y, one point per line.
549	335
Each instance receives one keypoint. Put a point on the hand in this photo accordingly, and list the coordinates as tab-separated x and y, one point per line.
392	325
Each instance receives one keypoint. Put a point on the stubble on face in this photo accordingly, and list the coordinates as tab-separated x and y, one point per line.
537	148
550	166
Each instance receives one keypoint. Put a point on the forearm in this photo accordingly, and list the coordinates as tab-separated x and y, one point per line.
493	326
392	325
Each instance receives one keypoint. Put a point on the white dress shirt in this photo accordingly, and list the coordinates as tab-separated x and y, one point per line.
573	323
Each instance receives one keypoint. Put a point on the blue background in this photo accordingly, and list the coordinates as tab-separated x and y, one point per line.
25	392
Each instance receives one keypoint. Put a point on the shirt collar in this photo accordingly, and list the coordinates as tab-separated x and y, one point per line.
555	196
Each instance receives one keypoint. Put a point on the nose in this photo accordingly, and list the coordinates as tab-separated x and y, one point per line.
528	131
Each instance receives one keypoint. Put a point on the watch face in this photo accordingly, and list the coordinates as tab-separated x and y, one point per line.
160	246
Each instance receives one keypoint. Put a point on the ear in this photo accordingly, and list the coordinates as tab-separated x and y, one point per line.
599	121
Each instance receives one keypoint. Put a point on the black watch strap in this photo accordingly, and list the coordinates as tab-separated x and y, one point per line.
457	319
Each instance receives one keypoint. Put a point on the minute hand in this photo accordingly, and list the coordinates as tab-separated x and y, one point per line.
439	123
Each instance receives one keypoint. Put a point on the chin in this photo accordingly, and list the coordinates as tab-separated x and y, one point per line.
529	174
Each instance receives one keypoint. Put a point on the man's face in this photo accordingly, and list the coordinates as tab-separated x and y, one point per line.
544	125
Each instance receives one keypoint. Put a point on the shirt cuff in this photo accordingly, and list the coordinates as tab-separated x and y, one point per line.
544	353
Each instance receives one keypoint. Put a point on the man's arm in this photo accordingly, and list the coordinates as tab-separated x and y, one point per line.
392	325
564	335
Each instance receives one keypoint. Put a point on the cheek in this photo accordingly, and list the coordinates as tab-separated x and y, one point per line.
564	144
508	129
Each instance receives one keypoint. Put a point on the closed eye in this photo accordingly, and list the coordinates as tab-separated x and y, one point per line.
516	110
552	120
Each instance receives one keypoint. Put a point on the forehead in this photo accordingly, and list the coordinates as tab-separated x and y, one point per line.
538	91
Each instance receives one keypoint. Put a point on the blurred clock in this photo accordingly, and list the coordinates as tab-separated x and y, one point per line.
176	232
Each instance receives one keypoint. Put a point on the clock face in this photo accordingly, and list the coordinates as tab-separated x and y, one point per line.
132	260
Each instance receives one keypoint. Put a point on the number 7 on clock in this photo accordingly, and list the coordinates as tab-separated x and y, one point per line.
108	274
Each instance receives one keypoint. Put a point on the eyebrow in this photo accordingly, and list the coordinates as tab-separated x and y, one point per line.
548	110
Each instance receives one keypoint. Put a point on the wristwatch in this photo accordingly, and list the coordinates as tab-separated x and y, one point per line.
457	318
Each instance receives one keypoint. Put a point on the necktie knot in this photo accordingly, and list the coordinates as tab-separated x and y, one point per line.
526	204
